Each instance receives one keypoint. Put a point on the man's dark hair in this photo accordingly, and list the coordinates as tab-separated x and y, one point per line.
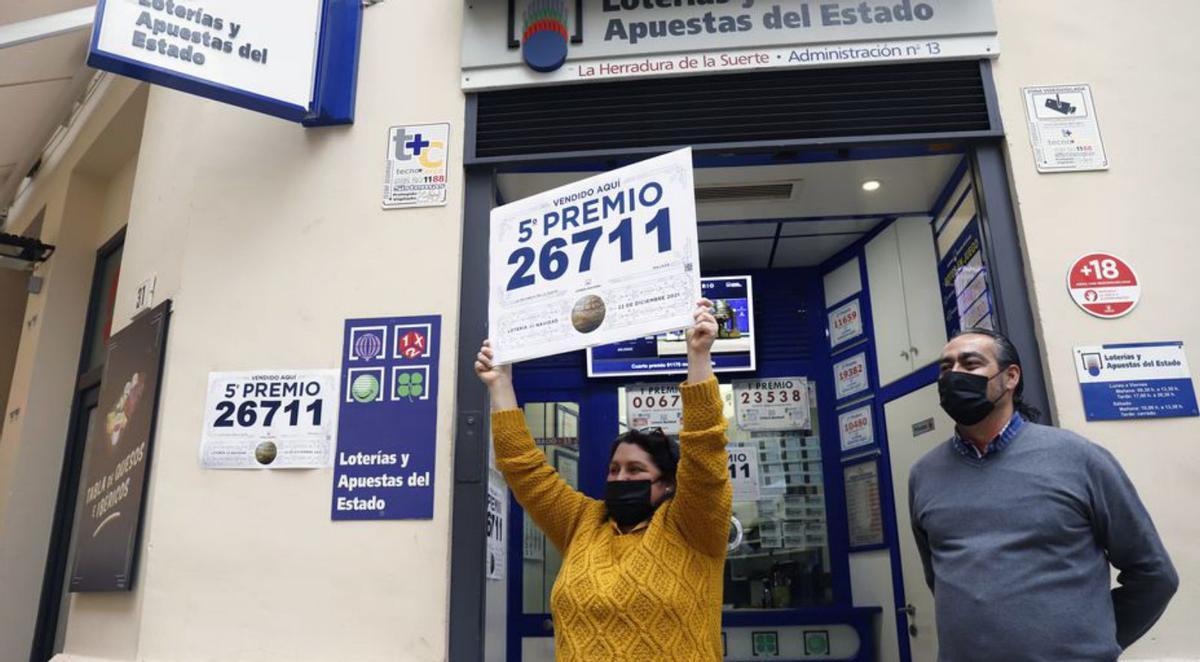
661	448
1006	355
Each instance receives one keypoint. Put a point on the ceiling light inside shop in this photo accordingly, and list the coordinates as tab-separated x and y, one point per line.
872	185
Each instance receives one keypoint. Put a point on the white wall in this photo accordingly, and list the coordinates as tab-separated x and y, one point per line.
83	189
267	236
12	319
1135	55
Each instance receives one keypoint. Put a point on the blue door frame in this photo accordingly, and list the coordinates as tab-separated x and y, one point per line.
563	374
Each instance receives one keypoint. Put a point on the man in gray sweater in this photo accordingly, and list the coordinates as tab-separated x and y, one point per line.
1017	523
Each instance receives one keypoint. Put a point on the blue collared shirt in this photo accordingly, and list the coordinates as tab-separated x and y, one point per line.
967	449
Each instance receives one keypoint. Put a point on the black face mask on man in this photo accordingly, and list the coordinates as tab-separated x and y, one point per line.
628	501
964	396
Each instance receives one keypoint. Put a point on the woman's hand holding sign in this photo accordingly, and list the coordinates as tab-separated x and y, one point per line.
700	339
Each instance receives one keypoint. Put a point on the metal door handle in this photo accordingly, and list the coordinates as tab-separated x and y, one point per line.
907	609
904	355
914	351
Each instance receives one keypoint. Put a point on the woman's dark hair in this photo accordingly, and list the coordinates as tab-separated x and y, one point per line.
1006	355
661	448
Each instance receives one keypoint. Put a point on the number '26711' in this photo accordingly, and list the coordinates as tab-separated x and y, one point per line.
553	261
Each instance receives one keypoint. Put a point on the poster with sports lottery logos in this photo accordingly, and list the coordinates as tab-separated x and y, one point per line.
387	423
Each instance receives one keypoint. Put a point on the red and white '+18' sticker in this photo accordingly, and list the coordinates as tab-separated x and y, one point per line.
1104	285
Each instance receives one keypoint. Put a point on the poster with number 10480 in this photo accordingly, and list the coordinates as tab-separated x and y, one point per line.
605	259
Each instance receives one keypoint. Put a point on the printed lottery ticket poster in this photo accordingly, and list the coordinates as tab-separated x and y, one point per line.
654	406
281	419
845	323
779	403
495	526
850	376
743	471
606	259
387	426
855	428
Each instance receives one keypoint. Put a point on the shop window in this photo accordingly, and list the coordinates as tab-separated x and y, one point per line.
782	559
555	430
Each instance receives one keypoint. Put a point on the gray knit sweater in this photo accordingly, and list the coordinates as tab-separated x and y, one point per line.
1017	547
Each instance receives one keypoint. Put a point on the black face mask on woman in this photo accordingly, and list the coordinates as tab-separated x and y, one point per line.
628	501
964	396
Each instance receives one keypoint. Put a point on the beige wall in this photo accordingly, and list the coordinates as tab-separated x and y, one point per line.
12	318
84	188
1140	209
267	236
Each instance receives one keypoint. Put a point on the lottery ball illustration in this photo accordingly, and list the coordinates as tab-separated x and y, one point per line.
367	346
265	452
588	313
365	388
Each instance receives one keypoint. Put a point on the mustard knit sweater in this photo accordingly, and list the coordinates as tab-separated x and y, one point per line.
655	593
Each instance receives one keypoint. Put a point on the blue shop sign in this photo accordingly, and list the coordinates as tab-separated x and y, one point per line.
294	59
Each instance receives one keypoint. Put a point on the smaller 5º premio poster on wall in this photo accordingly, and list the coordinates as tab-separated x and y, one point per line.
280	419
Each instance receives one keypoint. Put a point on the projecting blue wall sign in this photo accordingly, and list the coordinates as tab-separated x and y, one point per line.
294	59
387	420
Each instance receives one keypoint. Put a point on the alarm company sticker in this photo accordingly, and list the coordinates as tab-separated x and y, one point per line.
1104	285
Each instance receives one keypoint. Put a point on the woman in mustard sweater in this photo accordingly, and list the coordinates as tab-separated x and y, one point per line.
642	570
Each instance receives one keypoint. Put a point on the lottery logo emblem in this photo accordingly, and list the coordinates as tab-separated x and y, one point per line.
410	385
412	345
544	46
368	345
365	388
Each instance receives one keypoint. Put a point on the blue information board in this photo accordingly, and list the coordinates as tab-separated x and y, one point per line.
387	419
666	353
1135	380
294	59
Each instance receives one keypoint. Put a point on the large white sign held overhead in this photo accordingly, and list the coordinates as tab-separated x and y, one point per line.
606	259
263	55
512	43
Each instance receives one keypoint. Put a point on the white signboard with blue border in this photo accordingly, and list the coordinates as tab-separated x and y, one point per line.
387	423
1135	380
666	353
294	59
